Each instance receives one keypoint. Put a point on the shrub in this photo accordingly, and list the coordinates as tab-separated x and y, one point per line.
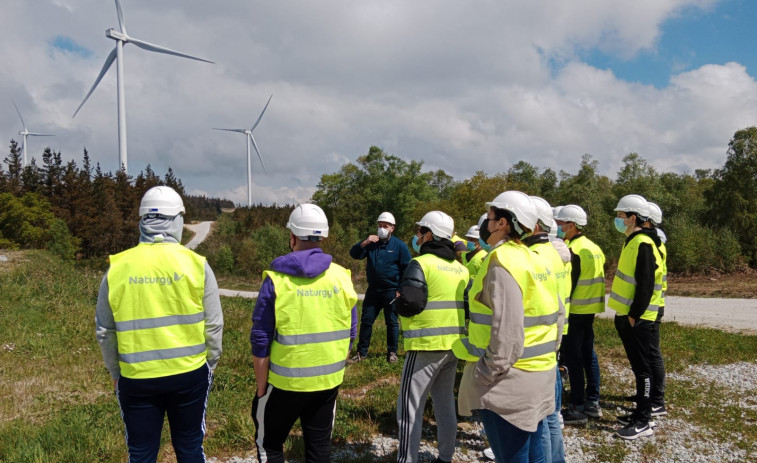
60	242
224	260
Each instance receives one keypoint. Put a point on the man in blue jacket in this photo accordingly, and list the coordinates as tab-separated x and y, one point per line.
387	257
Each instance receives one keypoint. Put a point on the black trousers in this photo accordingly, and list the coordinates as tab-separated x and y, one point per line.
577	352
637	341
275	413
658	366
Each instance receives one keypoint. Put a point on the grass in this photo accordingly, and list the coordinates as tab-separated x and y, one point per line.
57	405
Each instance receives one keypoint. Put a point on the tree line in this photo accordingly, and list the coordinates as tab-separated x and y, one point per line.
79	210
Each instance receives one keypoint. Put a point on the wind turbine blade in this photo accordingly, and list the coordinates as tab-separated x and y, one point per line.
121	22
19	115
39	135
108	62
157	48
261	114
255	145
231	130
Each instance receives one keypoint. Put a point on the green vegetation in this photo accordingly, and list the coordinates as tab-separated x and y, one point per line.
56	402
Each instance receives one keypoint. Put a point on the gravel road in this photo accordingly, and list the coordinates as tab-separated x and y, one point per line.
201	232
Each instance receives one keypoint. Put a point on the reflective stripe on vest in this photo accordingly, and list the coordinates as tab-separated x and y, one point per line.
442	322
313	321
589	294
624	283
155	291
540	304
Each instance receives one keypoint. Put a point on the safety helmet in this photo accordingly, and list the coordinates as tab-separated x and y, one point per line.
543	212
472	233
481	221
162	200
308	220
572	213
655	213
386	217
633	203
555	211
440	224
519	204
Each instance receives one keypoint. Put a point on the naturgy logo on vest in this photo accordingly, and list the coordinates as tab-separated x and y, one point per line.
326	293
147	280
449	268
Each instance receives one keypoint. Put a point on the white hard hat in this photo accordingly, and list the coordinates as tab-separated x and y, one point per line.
386	217
440	224
473	233
572	213
519	204
633	203
162	200
556	210
543	211
481	221
308	220
655	213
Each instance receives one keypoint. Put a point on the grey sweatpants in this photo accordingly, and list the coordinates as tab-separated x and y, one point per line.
427	372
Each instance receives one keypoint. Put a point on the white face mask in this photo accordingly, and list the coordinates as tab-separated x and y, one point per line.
383	233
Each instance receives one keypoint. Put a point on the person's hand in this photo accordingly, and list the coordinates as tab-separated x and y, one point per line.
262	390
369	240
631	321
115	383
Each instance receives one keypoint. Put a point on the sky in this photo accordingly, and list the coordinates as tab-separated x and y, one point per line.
461	86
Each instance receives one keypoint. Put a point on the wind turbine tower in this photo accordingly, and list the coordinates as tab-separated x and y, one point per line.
122	38
251	138
26	133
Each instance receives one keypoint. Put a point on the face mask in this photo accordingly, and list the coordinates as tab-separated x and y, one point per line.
383	233
485	246
620	224
416	246
471	246
560	233
484	232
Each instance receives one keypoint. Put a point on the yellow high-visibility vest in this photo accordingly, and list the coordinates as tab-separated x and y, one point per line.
540	309
442	322
313	321
664	255
588	296
624	283
550	258
155	291
474	264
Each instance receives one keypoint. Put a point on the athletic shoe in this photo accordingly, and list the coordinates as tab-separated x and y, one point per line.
560	418
573	416
489	453
356	358
633	431
391	357
659	411
593	410
625	420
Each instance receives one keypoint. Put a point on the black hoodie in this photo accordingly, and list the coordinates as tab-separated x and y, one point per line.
413	288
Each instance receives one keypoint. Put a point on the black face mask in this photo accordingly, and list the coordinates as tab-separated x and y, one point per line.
483	231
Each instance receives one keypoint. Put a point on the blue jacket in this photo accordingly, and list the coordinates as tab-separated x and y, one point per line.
387	261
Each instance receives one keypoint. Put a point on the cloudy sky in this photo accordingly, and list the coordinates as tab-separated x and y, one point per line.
460	85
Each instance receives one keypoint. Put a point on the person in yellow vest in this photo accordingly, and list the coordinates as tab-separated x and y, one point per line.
513	335
475	255
159	325
636	297
657	395
432	318
556	257
303	325
586	301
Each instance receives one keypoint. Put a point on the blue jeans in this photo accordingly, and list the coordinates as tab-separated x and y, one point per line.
373	303
511	444
551	437
145	402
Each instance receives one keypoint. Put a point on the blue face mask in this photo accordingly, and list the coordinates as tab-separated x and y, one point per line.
471	246
560	233
620	225
486	246
416	246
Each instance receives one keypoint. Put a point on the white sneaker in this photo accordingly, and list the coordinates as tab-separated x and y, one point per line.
488	453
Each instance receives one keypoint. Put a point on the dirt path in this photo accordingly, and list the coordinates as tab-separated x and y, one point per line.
201	231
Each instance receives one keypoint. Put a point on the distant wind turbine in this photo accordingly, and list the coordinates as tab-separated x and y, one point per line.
250	138
121	39
26	132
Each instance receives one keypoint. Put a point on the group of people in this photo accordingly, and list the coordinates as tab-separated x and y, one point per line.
521	290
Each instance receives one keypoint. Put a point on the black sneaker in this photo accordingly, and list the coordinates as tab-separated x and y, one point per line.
593	410
573	416
659	411
634	430
625	420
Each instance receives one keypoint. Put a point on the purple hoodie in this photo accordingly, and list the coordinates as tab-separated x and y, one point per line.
305	264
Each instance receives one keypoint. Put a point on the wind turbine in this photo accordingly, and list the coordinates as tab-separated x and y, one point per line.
26	132
250	138
121	39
